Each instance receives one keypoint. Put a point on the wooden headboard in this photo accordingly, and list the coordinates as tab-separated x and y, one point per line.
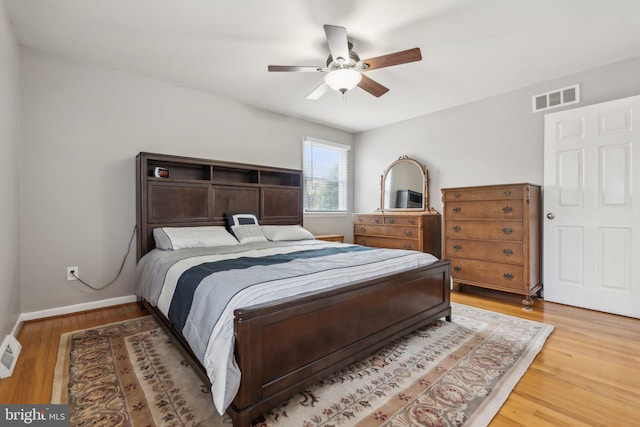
200	192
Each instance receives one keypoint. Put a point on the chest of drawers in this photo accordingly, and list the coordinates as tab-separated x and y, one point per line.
399	230
492	237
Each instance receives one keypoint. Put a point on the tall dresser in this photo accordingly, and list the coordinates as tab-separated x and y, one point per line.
492	237
419	231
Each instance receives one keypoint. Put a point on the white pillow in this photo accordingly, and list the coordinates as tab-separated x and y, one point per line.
248	233
286	232
172	238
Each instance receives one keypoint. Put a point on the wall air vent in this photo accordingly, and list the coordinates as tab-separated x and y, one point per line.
556	98
9	352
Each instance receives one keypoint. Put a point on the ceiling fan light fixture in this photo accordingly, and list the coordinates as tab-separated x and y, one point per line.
344	67
343	79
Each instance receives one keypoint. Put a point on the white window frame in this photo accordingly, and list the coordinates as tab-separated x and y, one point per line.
344	174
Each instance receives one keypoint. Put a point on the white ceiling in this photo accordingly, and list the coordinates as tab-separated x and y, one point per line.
471	49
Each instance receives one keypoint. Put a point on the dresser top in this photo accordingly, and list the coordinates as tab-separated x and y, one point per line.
480	187
431	211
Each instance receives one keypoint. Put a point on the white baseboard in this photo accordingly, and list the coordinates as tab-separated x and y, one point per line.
16	328
61	311
73	309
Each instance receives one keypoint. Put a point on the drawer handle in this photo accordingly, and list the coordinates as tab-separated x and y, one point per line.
377	220
457	247
390	220
407	246
507	192
360	219
363	242
412	221
457	268
456	195
507	209
507	230
508	276
407	232
507	252
457	210
363	228
457	229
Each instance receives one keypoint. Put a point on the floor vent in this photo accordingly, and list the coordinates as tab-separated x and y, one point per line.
556	98
9	355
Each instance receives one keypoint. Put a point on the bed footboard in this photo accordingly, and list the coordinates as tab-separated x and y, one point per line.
282	348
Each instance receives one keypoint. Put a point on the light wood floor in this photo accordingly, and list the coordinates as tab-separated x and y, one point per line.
587	374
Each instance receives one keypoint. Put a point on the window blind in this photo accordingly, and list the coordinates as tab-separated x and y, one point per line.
326	175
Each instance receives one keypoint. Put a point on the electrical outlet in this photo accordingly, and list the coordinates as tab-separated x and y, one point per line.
75	270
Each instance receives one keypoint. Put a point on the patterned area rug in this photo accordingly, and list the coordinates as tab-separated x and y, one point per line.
446	374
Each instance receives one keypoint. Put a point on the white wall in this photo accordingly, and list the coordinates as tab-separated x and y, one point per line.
492	141
9	222
82	127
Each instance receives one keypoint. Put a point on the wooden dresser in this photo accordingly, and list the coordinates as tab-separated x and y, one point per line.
492	237
420	231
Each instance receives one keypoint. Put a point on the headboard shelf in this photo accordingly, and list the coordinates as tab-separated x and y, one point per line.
235	175
202	192
179	170
280	178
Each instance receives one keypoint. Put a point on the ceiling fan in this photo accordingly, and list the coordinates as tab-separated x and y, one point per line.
345	69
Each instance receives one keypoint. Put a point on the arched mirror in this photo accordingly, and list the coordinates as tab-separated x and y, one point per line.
405	186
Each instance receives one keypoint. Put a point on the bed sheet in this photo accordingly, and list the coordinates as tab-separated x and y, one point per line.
199	289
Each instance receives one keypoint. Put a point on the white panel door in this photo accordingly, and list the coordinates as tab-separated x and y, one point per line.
592	220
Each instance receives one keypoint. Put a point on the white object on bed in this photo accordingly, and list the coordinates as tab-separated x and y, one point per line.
172	238
248	233
242	219
277	233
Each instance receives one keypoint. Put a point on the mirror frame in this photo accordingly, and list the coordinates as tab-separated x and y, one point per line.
425	192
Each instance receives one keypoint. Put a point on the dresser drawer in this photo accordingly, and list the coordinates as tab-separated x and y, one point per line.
496	275
512	231
495	193
383	242
503	252
494	209
408	232
368	219
401	220
383	219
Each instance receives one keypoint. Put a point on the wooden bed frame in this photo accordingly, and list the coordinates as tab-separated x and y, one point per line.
284	346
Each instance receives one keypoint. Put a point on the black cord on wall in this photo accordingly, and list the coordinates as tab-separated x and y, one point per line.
73	273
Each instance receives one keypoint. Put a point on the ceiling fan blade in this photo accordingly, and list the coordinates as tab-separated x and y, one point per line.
397	58
337	40
307	69
318	92
372	86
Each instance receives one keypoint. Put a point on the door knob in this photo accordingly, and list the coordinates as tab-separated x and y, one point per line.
550	215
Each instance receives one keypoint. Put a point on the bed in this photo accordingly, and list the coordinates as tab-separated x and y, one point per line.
330	303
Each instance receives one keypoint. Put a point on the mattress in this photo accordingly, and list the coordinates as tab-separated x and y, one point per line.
198	289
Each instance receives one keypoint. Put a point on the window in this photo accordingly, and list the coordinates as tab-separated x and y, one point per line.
325	169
